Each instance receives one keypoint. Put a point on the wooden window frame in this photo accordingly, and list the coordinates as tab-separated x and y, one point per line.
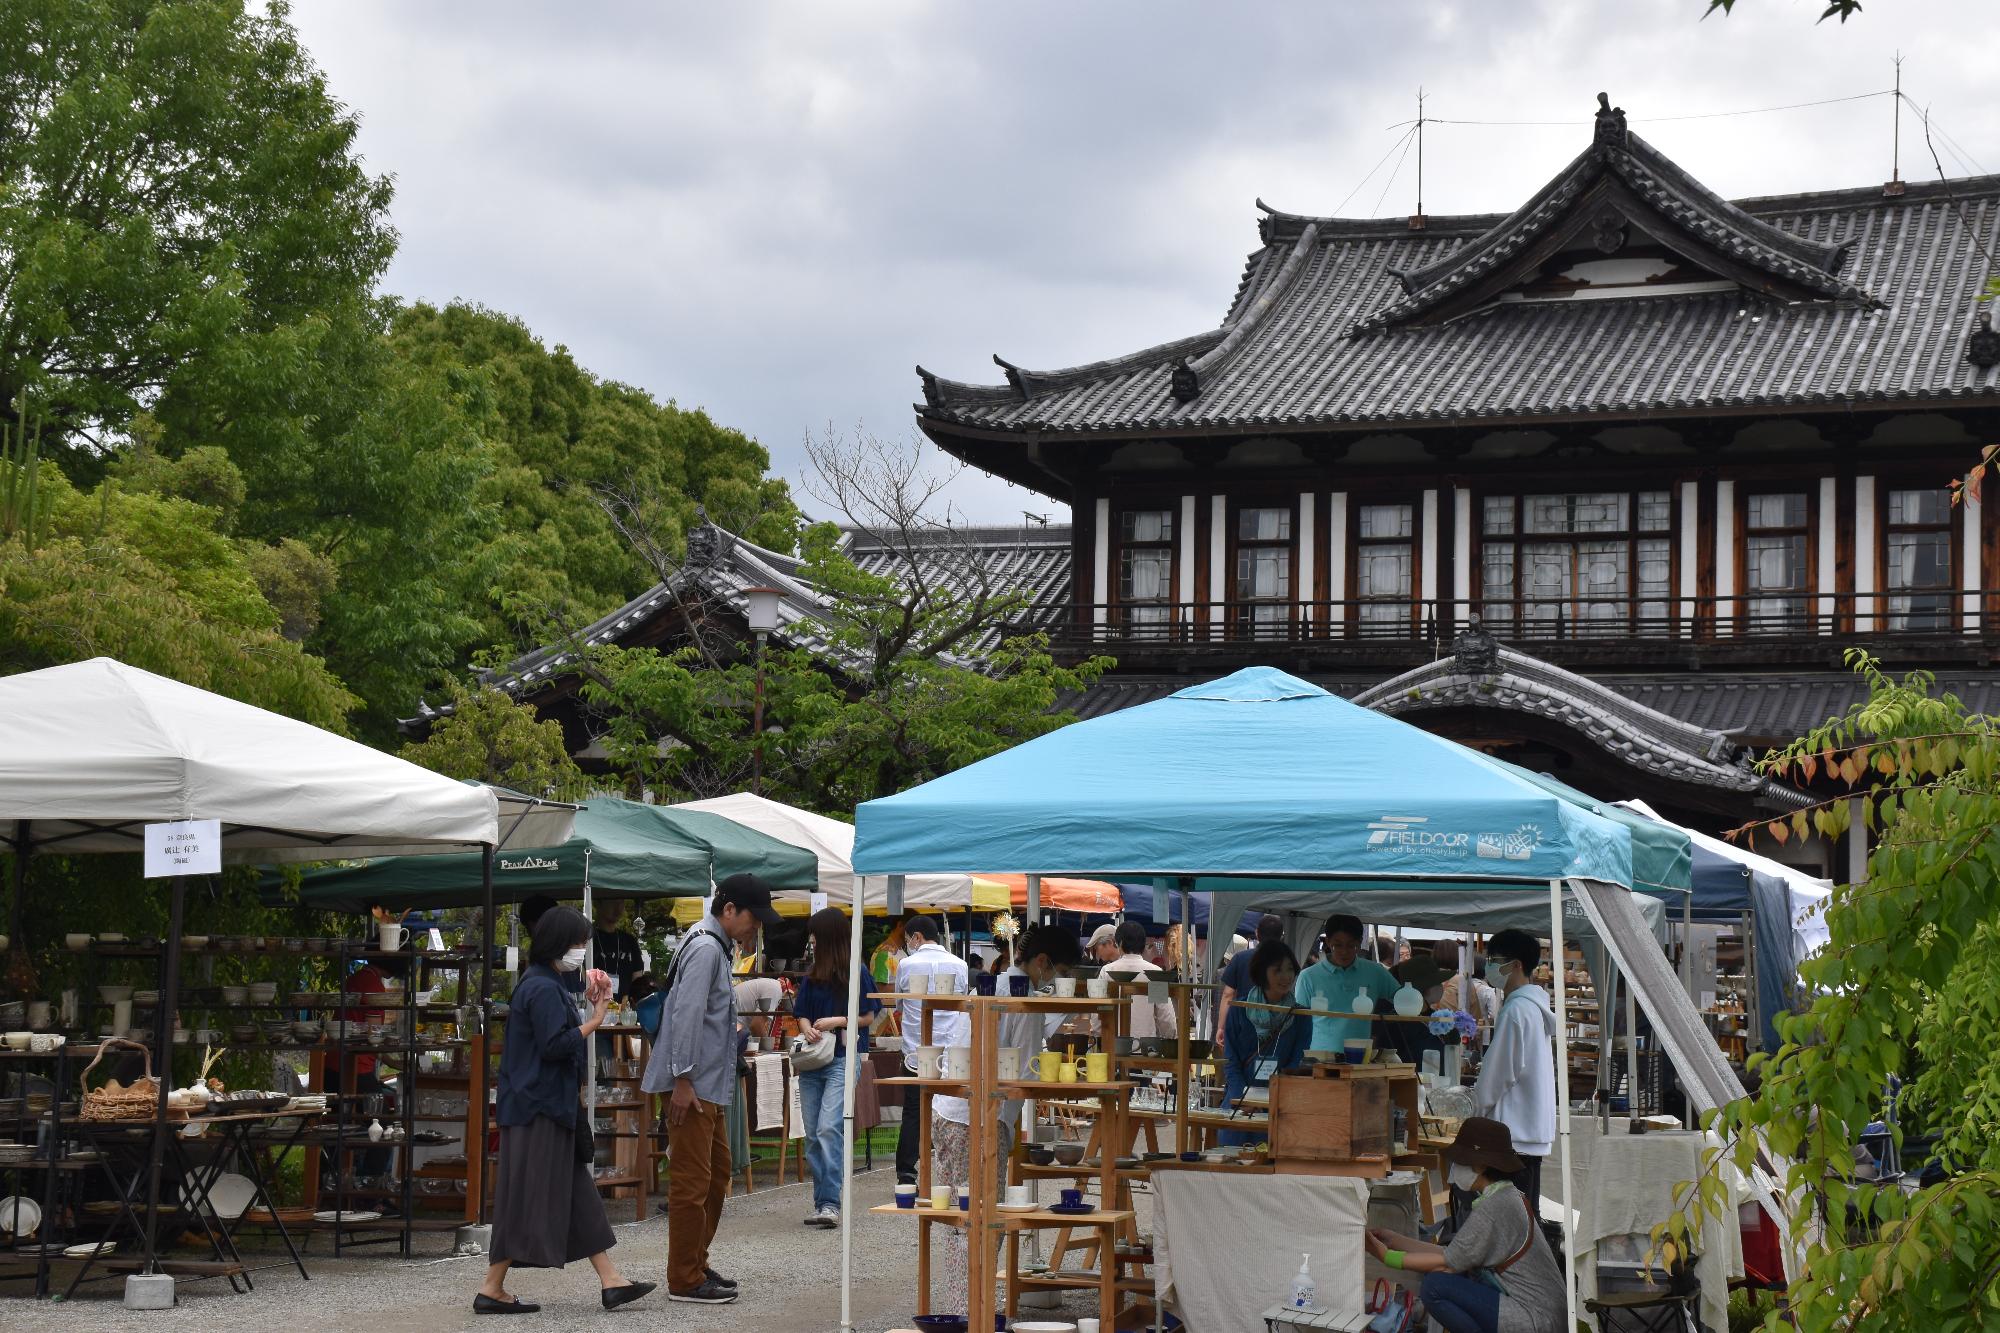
1114	595
1953	528
1631	535
1356	543
1738	614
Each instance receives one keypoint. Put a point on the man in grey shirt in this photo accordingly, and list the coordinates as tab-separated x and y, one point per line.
694	1060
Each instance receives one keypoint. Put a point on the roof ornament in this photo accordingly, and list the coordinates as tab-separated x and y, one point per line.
1186	384
704	543
1611	130
1607	232
931	394
1474	649
1982	349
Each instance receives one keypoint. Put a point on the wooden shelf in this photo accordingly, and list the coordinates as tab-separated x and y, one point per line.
1039	1218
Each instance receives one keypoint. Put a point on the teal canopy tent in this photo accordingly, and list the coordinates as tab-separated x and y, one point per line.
622	849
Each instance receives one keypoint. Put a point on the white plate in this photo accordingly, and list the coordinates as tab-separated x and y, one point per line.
229	1195
89	1251
1017	1207
19	1215
344	1218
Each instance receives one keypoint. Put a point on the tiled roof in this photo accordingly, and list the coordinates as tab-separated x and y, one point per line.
1857	300
1030	560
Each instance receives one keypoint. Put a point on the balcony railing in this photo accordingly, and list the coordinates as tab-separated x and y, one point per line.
1639	627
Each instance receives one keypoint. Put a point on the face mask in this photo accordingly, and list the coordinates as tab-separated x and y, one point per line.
1463	1177
571	961
1496	975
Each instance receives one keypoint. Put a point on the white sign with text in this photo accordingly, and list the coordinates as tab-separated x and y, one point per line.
190	847
819	901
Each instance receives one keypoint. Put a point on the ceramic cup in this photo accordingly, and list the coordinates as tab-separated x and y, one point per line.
18	1041
985	983
906	1196
389	936
1017	1196
1018	987
928	1058
957	1063
965	1197
1010	1063
1097	1067
949	983
38	1014
1085	1324
76	942
1065	988
918	983
1098	988
1047	1065
1066	1072
1356	1050
44	1042
940	1196
1072	1198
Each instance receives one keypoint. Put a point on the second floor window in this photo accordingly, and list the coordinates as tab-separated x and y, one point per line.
1146	569
1383	562
1916	564
1577	564
1263	588
1777	566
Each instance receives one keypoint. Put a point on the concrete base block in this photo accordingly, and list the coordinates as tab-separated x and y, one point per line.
473	1239
149	1291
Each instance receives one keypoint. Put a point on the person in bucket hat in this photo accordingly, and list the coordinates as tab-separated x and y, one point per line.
1498	1274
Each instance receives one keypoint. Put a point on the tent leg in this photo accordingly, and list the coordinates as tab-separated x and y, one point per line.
163	1071
1562	1100
1631	1052
19	926
849	1073
1034	901
478	1084
1687	944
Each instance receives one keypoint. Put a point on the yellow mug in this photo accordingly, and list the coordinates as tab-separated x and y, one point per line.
1046	1066
1066	1073
1097	1067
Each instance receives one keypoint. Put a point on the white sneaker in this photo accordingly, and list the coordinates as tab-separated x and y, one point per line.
827	1217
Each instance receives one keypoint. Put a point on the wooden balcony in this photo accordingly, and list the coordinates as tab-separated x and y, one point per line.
1810	630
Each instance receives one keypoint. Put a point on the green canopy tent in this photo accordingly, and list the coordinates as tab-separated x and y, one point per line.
619	849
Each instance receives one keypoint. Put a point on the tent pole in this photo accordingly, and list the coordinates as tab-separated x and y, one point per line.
1631	1052
1034	901
163	1072
478	1084
848	1074
590	960
1687	944
18	929
1562	1101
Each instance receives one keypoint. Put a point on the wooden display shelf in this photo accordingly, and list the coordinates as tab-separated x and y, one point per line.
1040	1218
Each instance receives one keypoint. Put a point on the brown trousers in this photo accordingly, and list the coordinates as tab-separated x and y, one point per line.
698	1159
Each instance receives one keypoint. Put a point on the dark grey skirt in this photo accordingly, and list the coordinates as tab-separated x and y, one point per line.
546	1209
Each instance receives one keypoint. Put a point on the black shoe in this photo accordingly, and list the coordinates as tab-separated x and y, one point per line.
484	1304
710	1292
718	1279
625	1295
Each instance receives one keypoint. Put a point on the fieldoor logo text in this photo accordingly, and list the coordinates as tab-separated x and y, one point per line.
1402	834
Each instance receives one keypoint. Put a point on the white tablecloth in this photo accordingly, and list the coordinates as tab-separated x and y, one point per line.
1240	1238
1626	1185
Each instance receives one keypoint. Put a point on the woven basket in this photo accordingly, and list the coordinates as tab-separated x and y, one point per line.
116	1101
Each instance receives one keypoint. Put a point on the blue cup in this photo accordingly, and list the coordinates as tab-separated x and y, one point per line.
1072	1198
1017	987
906	1196
1190	1157
985	984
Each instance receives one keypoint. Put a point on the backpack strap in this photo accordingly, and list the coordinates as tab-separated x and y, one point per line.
1534	1225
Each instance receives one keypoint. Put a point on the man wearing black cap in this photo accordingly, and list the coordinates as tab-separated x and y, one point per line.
694	1061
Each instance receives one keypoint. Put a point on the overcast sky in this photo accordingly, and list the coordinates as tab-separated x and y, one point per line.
775	210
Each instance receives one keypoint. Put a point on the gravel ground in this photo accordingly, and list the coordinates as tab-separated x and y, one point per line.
790	1276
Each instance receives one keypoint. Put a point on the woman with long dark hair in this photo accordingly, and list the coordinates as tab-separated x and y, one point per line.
820	1006
546	1209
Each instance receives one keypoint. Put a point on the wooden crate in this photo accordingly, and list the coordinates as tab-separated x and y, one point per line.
1329	1119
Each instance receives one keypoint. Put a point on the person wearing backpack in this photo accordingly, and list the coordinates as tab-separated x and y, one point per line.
820	1007
1498	1275
694	1063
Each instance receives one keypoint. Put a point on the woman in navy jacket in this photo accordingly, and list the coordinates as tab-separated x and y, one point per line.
1256	1043
546	1208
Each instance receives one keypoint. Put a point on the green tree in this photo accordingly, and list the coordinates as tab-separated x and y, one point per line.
487	737
176	184
1904	991
560	443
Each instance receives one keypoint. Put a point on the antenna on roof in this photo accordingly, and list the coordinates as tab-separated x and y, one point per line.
1417	219
1039	520
1895	187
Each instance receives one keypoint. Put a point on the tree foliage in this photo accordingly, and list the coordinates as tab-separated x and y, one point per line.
1903	992
488	737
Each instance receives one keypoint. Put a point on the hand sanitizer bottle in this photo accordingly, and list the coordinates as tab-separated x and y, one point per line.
1305	1292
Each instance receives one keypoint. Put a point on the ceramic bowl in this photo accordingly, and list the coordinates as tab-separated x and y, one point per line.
76	942
114	994
235	994
1069	1154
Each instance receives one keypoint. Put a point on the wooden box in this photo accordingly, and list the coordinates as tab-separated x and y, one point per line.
1329	1119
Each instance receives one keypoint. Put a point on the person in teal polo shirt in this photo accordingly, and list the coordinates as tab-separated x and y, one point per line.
1332	982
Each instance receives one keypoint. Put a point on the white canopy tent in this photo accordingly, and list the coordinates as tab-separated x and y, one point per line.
1808	893
833	843
93	752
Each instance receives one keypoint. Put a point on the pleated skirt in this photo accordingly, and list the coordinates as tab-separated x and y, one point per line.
546	1209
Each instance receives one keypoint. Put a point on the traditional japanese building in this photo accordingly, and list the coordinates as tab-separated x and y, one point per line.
1675	454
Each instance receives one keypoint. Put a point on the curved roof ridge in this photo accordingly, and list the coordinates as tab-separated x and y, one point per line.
1260	306
1023	384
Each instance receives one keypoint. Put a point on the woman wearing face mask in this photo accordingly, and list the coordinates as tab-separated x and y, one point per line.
546	1209
1498	1272
1256	1041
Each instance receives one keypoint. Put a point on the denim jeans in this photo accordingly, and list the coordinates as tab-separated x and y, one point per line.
820	1102
1461	1304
